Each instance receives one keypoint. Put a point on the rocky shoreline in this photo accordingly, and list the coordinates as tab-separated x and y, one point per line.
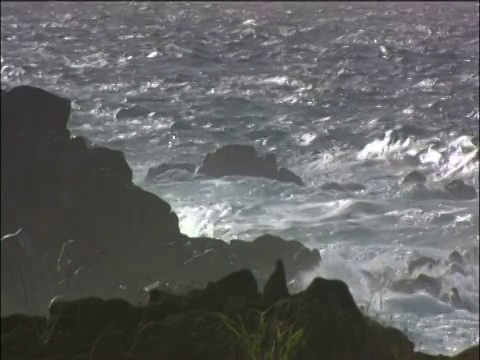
63	193
228	319
75	229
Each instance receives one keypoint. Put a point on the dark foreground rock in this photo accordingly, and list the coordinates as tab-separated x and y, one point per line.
58	190
228	319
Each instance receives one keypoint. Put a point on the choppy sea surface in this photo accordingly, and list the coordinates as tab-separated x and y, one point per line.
341	92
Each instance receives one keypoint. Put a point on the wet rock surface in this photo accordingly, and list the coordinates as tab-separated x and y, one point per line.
233	160
243	160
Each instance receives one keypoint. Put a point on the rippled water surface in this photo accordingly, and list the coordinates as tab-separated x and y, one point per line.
328	87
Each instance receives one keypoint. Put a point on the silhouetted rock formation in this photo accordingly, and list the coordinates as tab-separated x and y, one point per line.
415	177
233	160
276	286
163	168
243	160
56	188
322	322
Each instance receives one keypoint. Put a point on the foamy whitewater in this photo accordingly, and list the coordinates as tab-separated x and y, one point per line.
352	93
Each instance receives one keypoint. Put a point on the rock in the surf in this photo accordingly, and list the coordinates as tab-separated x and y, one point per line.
343	187
243	160
424	282
459	190
415	177
165	167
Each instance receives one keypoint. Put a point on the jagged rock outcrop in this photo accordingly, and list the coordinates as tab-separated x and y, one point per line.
243	160
57	188
220	321
276	288
233	160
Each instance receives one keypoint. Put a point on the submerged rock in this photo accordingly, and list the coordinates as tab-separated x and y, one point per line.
430	284
243	160
163	168
414	177
343	187
455	257
423	261
459	190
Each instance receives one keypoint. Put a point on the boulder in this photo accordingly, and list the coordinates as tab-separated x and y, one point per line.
422	282
414	177
423	261
240	283
461	191
163	168
243	160
455	257
343	187
328	292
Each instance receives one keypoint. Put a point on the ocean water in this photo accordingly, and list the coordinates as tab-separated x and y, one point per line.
341	92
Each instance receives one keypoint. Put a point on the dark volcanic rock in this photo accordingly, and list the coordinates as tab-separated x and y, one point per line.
267	249
163	168
329	292
214	258
276	286
205	325
421	262
57	188
422	282
343	187
240	283
415	177
455	257
459	190
243	160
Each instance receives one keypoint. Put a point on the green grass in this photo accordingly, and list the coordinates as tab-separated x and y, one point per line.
267	341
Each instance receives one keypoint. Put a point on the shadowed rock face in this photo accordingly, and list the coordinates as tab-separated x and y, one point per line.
243	160
57	188
276	288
